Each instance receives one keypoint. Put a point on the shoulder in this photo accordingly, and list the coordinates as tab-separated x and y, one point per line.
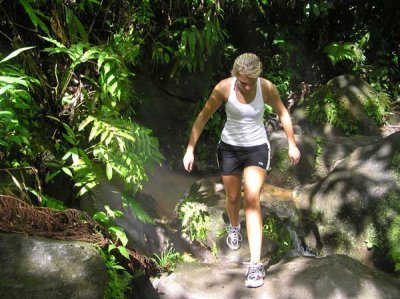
266	84
223	87
269	90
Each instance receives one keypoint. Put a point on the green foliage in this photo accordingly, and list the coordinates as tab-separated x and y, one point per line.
189	39
376	107
326	108
105	218
168	259
102	135
372	239
195	219
118	278
348	51
35	15
93	137
381	74
388	219
276	231
17	107
393	232
388	227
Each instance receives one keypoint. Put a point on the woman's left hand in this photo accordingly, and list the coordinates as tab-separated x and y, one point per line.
294	155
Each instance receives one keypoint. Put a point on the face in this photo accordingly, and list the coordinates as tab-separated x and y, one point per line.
245	83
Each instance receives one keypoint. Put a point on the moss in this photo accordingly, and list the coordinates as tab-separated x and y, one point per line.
283	161
325	107
396	167
345	107
388	227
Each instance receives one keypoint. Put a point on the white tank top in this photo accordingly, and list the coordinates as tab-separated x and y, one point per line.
245	122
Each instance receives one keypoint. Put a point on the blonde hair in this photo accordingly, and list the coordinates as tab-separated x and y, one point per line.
247	64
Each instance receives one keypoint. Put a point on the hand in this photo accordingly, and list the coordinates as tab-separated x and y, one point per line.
188	161
294	155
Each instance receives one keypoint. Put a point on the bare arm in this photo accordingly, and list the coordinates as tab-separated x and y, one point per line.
272	98
213	103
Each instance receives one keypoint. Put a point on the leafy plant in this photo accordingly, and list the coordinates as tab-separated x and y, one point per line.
102	136
195	220
168	259
353	52
372	237
189	39
17	107
118	278
105	218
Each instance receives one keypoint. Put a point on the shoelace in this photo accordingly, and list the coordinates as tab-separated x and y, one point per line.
254	272
234	234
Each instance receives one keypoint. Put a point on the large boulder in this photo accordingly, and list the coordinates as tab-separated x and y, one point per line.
354	209
33	267
344	105
319	156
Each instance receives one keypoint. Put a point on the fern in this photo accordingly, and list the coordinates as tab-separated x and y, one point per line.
17	107
344	51
101	141
347	51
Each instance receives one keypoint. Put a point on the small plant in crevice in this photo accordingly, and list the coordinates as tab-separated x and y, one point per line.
214	249
372	240
119	278
168	259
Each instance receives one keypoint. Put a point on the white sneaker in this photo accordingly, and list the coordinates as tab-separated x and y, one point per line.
234	237
255	276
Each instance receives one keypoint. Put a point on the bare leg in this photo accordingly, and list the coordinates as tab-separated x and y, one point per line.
233	187
253	181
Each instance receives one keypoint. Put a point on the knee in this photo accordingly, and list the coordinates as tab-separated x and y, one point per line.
232	198
252	201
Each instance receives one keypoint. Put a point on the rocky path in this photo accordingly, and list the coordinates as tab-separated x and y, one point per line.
335	276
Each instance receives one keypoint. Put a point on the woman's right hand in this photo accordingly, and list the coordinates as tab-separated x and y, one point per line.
188	161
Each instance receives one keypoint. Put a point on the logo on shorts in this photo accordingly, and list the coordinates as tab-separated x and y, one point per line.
261	163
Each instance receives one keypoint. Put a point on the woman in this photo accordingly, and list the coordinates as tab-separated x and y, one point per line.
243	152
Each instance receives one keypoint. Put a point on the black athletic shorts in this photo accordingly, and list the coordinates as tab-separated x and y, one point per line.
233	159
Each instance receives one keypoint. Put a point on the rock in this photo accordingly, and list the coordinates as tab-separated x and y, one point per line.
283	173
343	210
319	155
335	276
344	105
34	267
